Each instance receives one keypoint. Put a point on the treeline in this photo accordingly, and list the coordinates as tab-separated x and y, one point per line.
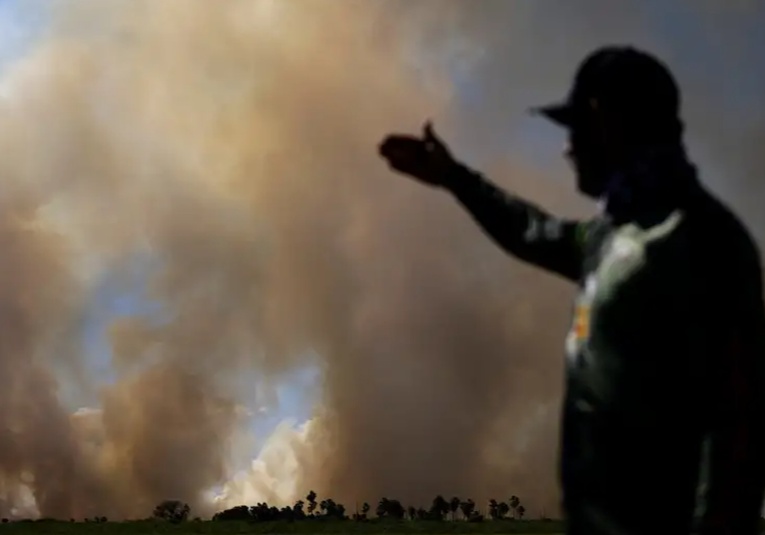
313	509
328	509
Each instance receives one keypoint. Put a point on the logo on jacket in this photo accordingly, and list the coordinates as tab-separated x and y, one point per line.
580	327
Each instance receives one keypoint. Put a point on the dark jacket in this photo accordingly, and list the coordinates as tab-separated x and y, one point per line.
665	355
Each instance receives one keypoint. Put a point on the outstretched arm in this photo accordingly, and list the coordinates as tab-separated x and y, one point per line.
519	227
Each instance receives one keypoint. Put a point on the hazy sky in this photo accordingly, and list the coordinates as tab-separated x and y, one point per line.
21	23
680	28
517	54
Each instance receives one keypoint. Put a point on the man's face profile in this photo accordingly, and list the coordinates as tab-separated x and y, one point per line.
587	153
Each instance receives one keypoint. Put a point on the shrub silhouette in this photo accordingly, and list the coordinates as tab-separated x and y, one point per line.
172	511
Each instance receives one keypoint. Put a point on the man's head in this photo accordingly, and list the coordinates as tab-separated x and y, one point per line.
622	101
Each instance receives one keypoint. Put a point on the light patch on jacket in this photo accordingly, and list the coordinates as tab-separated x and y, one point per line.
580	326
582	321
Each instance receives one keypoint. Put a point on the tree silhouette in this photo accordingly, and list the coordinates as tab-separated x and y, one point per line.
493	509
173	511
328	509
504	509
262	512
468	508
439	508
339	511
298	510
454	506
238	513
475	517
363	514
390	509
382	507
514	503
311	499
332	509
286	513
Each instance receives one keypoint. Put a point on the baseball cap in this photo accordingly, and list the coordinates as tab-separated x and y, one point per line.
621	78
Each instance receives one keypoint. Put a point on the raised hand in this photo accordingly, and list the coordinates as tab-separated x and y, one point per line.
426	159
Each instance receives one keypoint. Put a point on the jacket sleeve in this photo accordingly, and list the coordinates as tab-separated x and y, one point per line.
519	227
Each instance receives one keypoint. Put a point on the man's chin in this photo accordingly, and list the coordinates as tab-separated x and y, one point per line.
589	190
591	182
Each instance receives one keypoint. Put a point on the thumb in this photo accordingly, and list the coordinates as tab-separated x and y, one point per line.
430	136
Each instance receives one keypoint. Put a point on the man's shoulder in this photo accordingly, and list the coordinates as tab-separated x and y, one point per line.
718	230
705	227
726	258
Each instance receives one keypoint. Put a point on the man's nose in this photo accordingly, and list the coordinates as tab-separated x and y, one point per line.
568	151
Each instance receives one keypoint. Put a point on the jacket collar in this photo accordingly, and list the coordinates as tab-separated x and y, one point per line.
657	182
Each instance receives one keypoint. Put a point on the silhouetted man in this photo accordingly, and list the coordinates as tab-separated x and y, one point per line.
665	381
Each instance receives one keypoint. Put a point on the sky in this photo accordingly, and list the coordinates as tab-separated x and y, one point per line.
696	44
680	30
685	31
23	21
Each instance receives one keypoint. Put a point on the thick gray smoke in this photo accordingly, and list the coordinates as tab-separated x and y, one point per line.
231	145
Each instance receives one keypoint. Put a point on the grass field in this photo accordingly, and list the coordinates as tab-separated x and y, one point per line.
521	527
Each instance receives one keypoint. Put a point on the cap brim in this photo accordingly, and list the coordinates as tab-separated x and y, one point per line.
561	114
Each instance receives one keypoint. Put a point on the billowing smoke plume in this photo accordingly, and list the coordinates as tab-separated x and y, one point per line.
227	149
